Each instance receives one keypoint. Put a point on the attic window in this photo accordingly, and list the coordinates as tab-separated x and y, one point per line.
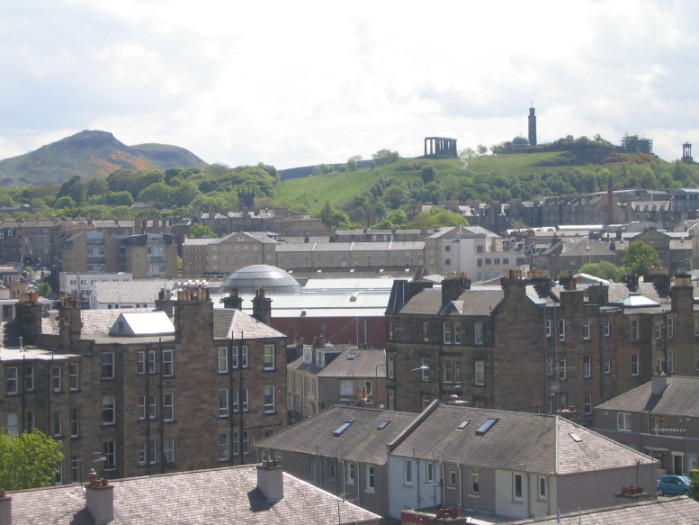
339	430
575	437
383	424
486	426
462	425
351	356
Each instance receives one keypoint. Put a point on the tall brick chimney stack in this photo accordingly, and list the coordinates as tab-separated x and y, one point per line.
270	480
453	285
682	294
70	323
233	300
262	307
29	317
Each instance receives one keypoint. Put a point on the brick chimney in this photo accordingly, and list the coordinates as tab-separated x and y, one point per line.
70	323
682	294
5	510
262	307
233	300
29	317
567	280
598	294
453	285
99	496
658	383
270	480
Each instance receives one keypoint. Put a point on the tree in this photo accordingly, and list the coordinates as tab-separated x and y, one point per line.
330	216
44	289
469	153
482	149
29	460
385	156
435	218
353	162
200	231
641	257
428	174
603	270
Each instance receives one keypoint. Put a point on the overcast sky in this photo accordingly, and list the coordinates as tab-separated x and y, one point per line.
299	82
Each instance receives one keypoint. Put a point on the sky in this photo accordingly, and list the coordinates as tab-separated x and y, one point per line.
303	82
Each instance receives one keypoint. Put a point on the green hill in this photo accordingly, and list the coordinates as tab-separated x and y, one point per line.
91	154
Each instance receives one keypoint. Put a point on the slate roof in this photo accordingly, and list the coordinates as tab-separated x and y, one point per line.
678	511
352	361
136	291
542	442
362	441
679	398
95	322
226	495
229	322
477	301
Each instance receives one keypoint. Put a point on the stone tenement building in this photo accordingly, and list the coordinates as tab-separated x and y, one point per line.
530	347
181	388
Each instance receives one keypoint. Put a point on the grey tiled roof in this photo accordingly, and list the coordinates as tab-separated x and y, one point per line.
679	398
362	441
231	322
543	443
472	302
365	363
677	511
226	495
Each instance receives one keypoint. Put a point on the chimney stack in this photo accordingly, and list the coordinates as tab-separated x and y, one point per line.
658	383
453	286
270	480
100	499
5	509
262	307
233	300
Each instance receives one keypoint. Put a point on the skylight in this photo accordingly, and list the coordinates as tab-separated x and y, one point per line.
339	430
383	424
462	425
575	437
486	426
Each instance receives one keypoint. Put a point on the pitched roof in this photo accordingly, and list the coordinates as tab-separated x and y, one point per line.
678	398
352	361
142	323
544	443
226	495
678	511
231	323
362	441
477	301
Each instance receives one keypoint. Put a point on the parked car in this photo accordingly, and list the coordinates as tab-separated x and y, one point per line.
673	485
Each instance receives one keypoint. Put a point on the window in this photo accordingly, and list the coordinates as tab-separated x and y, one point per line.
244	356
223	403
541	492
391	366
108	410
588	404
561	329
634	329
29	426
670	328
562	370
446	328
246	442
346	387
168	406
587	324
270	406
224	446
74	376
141	362
479	373
548	327
223	359
12	423
517	487
634	364
370	479
236	404
109	453
425	331
549	367
390	330
148	451
457	334
607	328
670	366
29	378
658	328
74	422
331	469
350	473
425	368
107	365
450	372
268	358
75	462
429	473
11	380
56	378
478	333
475	481
57	424
168	363
151	362
407	471
169	450
623	421
608	365
452	476
587	366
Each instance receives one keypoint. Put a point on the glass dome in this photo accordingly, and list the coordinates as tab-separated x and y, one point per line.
248	279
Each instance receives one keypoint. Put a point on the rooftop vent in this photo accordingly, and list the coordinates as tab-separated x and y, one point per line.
575	437
462	425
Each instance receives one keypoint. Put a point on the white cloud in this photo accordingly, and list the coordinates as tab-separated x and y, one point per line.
293	83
